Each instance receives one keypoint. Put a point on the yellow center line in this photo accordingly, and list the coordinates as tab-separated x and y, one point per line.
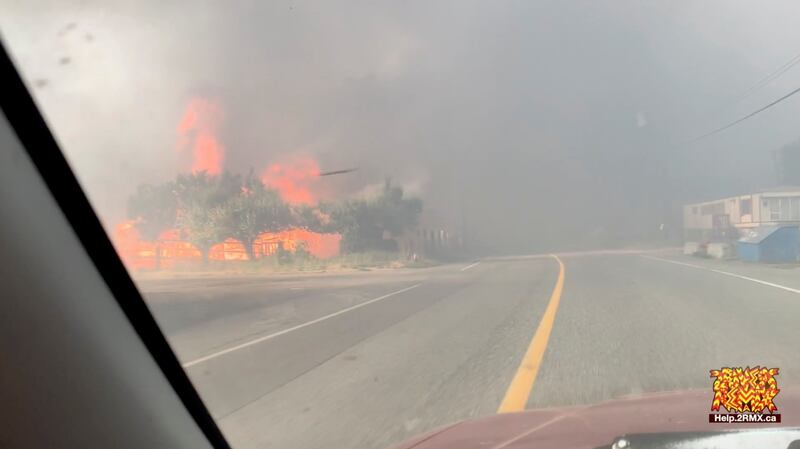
522	385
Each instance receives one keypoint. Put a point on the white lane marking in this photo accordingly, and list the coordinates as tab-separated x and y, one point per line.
294	328
470	266
726	273
676	262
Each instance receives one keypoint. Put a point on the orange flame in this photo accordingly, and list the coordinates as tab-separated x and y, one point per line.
295	178
321	246
169	251
166	252
198	131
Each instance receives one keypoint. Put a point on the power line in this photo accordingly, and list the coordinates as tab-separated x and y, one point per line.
775	74
711	133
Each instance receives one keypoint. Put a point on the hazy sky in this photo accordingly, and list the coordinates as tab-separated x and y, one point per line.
539	124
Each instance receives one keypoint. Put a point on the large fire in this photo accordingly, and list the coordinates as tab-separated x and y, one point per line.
197	132
295	178
170	251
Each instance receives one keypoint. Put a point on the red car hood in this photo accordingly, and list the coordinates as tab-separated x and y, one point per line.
588	427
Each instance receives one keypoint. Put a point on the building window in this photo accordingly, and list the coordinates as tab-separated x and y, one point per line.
746	207
713	209
783	209
774	208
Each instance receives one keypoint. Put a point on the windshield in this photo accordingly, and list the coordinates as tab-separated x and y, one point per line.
357	222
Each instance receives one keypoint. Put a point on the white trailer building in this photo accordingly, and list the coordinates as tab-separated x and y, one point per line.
724	219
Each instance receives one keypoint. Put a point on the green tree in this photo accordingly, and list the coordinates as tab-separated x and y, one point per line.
354	220
154	209
364	223
396	213
312	218
254	210
202	207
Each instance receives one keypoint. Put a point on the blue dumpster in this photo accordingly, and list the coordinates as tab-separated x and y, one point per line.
770	244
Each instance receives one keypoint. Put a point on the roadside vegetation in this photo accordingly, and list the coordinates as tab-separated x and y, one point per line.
208	209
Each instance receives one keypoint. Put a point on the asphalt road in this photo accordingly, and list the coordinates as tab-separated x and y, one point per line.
365	360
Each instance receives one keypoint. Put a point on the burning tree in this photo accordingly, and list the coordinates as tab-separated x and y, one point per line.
312	218
254	210
202	204
209	209
154	209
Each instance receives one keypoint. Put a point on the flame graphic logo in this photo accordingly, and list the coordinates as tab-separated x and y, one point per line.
748	389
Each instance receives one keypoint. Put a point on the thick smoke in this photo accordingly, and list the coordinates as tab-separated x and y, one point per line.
531	125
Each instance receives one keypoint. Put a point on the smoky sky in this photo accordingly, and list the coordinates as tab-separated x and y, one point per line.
530	125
